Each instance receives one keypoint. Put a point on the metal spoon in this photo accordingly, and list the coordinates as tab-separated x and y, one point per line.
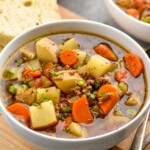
138	139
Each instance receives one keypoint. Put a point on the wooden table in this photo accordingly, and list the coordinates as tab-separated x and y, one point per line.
9	140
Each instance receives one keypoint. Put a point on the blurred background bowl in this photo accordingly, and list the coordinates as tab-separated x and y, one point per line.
134	27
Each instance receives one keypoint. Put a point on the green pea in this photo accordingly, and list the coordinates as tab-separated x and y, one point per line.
81	83
92	96
12	89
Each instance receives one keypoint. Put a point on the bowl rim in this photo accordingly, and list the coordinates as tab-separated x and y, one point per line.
44	136
112	3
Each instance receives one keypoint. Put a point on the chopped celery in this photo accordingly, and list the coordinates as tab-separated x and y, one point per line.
123	86
113	67
131	112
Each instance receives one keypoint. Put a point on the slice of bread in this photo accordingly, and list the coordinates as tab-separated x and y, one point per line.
17	16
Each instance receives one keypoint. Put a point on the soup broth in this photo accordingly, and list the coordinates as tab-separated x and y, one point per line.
26	81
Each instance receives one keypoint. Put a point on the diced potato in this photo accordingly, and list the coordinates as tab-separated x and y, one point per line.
69	44
27	65
77	130
51	93
98	65
82	69
27	96
45	82
81	57
67	81
11	73
43	115
46	50
27	53
35	64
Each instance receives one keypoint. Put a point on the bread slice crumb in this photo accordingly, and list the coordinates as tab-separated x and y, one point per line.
17	16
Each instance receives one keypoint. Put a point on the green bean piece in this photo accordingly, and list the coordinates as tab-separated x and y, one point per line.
113	67
123	86
12	89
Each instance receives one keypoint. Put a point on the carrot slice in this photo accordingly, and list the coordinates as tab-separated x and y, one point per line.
47	68
19	110
119	75
26	72
68	57
106	51
133	64
133	12
109	103
142	7
37	74
81	112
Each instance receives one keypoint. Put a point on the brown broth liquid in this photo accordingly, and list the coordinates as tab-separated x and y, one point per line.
100	125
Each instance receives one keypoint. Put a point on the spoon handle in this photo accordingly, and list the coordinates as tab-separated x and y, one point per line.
138	139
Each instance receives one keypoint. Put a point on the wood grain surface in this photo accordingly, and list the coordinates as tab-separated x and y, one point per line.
9	140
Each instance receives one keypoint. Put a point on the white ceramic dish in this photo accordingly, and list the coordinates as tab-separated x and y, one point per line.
134	27
92	143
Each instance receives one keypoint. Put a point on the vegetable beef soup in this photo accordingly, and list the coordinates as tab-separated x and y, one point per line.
138	9
73	85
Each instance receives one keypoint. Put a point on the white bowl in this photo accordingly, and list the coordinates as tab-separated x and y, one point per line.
134	27
92	143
